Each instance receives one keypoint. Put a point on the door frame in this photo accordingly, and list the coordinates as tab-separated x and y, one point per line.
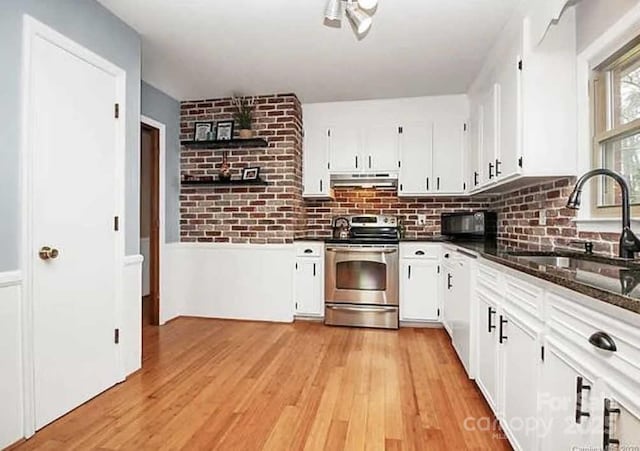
34	29
162	149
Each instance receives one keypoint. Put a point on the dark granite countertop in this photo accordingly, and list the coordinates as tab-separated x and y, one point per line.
611	280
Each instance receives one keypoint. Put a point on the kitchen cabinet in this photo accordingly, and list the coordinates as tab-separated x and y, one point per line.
371	149
520	356
419	282
488	147
344	149
432	158
309	279
524	102
457	285
316	163
416	158
380	149
487	348
567	398
448	154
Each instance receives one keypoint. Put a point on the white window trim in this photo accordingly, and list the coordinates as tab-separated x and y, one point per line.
618	35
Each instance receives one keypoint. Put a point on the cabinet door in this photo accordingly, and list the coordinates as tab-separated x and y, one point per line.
560	398
475	147
521	354
419	285
380	150
489	120
448	151
308	292
448	298
509	146
344	149
316	162
487	352
622	423
416	155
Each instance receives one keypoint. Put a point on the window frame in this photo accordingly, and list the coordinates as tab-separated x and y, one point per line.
604	129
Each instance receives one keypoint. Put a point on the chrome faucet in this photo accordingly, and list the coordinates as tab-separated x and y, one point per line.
629	242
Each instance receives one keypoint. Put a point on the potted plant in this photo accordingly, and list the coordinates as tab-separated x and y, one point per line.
244	114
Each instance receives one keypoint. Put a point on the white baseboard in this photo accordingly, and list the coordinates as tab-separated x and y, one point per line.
11	392
233	281
131	321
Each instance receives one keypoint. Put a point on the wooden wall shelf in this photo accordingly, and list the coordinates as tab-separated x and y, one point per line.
225	144
225	184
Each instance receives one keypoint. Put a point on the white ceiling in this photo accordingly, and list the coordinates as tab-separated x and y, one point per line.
194	49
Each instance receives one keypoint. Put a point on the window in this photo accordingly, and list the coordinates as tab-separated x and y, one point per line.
616	121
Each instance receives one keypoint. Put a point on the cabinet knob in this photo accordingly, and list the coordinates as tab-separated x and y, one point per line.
604	341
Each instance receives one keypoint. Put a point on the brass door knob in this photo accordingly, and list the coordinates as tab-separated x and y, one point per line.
48	253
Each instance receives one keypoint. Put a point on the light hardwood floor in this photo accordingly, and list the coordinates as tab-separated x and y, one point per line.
230	385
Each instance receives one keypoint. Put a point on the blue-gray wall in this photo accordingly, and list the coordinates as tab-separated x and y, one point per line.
162	108
94	27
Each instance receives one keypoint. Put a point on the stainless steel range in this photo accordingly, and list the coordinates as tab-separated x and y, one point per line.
361	272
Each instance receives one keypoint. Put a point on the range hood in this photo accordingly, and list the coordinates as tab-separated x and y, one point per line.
365	180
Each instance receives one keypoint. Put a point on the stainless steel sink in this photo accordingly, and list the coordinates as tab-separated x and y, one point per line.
560	262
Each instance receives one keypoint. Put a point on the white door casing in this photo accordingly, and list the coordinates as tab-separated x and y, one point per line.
73	188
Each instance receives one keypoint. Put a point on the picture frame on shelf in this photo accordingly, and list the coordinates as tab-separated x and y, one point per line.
202	131
224	130
250	174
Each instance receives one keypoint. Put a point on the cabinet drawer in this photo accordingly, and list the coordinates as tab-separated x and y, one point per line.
309	248
420	250
488	277
524	295
571	321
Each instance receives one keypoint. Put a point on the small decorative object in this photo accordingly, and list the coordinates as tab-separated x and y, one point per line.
211	135
224	130
201	131
244	114
225	169
251	173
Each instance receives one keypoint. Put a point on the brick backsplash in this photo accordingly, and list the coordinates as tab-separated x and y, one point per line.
519	225
386	202
277	213
270	214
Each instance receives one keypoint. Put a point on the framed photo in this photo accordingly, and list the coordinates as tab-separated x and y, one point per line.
224	130
202	131
250	173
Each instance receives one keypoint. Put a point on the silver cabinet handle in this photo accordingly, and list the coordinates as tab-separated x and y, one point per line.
362	309
371	249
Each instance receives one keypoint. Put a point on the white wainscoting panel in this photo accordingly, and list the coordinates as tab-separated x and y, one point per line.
235	281
131	333
146	280
11	403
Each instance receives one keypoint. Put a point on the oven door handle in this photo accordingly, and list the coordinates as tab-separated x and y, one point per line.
363	309
377	250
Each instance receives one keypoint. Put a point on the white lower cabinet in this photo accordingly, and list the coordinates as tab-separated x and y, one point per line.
518	378
550	388
309	279
487	342
419	281
567	396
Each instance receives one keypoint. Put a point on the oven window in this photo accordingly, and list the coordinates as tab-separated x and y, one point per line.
361	275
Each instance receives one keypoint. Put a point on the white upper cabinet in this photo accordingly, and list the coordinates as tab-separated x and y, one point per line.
416	156
316	162
448	153
524	101
380	149
344	149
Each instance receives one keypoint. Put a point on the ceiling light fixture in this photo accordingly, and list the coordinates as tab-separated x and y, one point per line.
334	10
367	4
361	20
355	12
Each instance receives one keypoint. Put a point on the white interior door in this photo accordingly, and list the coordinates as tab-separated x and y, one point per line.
72	133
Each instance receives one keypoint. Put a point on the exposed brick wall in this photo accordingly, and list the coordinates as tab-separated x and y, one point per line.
271	214
518	219
372	201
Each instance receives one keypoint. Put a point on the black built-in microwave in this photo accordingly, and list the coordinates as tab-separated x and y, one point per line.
470	225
